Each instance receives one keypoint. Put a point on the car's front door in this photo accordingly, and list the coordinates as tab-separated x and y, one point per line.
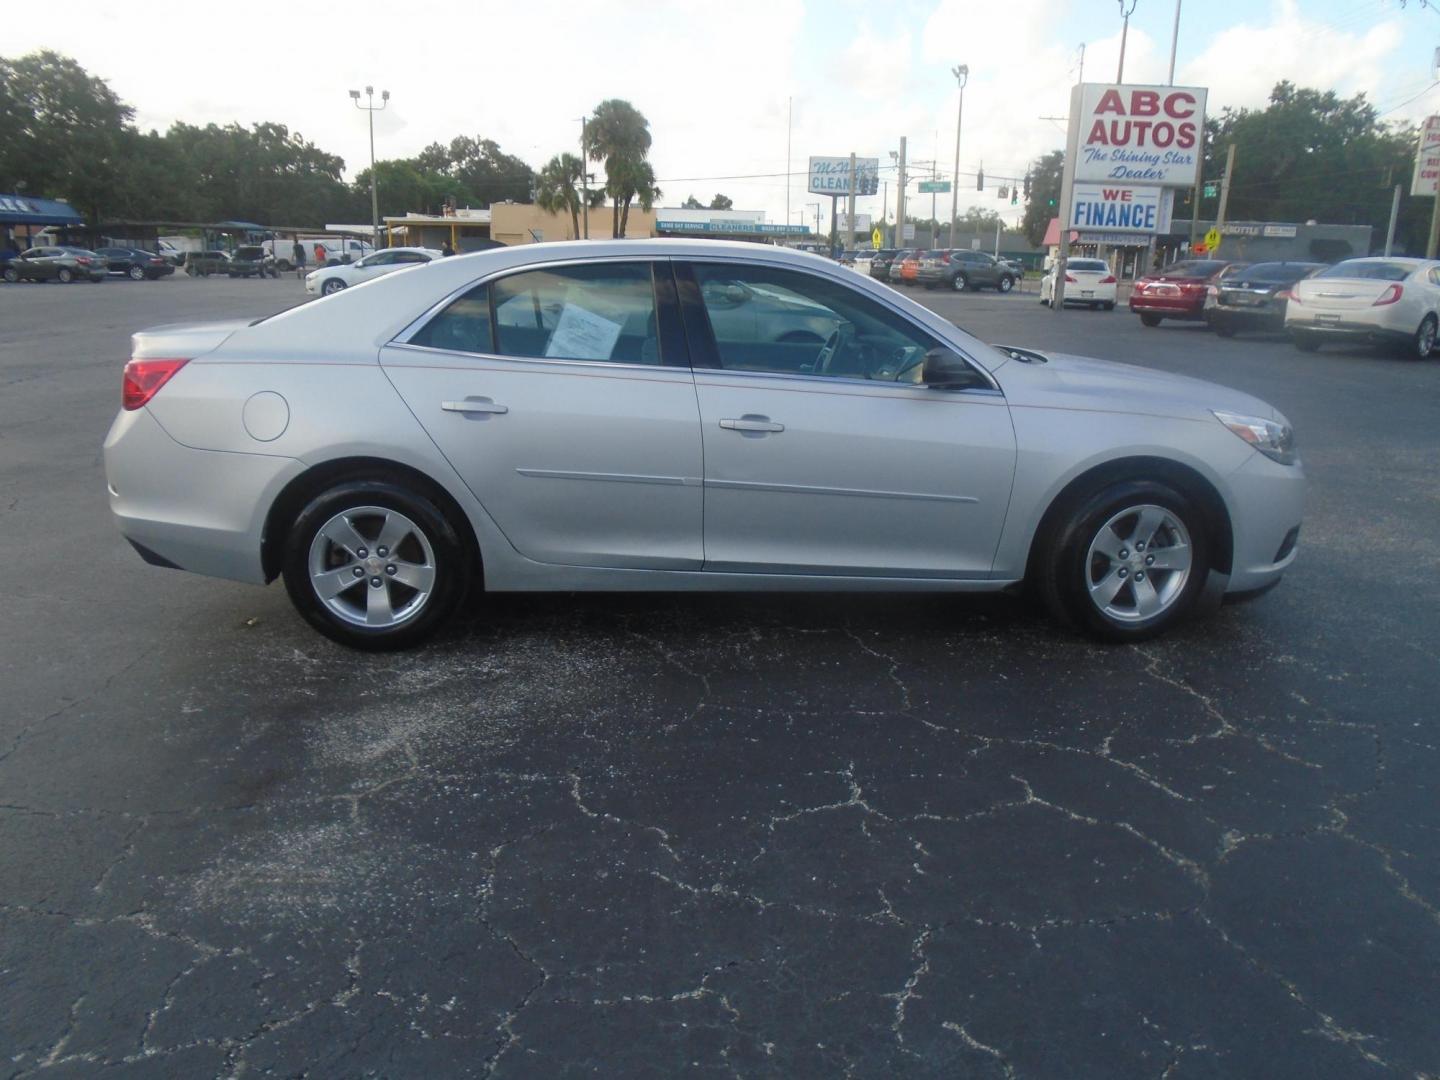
563	397
372	266
824	451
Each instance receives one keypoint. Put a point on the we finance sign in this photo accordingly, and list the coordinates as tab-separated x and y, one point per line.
1137	134
1115	208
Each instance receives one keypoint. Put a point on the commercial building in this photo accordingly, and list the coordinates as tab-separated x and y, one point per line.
21	217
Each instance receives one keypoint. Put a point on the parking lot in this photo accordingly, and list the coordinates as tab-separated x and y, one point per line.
784	836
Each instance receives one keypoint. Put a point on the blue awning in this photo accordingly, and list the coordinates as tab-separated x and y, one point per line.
23	210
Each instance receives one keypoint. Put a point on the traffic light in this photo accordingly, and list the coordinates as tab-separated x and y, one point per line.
1050	203
1027	185
1014	196
1002	192
980	179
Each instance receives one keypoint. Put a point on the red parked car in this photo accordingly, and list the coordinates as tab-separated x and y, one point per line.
1178	291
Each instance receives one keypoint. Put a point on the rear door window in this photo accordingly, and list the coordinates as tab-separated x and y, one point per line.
598	312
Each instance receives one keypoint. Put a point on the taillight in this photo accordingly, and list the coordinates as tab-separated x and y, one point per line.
1070	280
945	259
1212	290
1108	279
82	260
1390	295
144	378
1286	294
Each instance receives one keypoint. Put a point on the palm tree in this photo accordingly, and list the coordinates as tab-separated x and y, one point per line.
557	188
619	135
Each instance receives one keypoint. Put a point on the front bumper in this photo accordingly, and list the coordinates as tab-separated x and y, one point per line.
197	510
1267	502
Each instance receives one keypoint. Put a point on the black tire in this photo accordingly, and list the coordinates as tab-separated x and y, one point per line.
136	273
1045	302
1423	343
1223	329
960	283
1109	305
64	275
1147	319
1063	571
1305	342
1006	284
1094	307
283	265
11	275
331	286
452	564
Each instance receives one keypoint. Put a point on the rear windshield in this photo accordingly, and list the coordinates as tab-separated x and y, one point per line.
1364	268
1280	271
1087	264
936	253
1196	268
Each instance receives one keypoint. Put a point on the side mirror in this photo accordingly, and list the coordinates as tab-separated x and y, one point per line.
736	293
946	370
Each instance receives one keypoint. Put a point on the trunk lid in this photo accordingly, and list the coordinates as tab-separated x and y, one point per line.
1340	294
174	341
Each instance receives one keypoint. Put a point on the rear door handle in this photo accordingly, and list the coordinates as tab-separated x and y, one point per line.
474	405
750	422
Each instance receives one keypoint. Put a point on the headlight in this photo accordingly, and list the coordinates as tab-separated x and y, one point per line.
1272	438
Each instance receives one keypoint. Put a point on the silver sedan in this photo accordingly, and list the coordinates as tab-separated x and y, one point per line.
673	415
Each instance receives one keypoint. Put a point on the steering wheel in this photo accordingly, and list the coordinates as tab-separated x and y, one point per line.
839	338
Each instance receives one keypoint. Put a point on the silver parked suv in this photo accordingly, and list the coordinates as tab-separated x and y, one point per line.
681	415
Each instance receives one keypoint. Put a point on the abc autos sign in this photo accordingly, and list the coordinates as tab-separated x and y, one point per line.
1137	134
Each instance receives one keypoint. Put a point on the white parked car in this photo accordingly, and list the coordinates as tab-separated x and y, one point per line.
331	279
1390	301
677	415
861	265
1087	281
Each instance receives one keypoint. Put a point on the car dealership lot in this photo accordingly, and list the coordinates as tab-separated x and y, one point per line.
762	835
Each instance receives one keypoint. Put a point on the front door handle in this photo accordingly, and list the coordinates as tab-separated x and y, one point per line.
474	405
751	422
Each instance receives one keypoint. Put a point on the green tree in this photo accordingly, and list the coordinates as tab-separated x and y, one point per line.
692	203
1044	201
558	188
403	187
721	202
485	173
619	135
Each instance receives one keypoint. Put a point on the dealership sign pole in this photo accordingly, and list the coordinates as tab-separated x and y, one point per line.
1426	179
840	177
1124	144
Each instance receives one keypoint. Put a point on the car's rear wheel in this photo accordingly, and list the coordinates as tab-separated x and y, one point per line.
136	273
374	565
1305	342
1109	305
1223	329
1424	341
1147	319
283	265
332	285
1128	562
11	275
64	276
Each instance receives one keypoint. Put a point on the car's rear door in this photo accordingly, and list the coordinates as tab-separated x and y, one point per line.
562	395
822	460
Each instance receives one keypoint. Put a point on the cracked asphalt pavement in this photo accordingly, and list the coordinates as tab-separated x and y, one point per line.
736	835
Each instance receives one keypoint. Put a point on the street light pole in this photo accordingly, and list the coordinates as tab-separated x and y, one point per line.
371	108
1125	14
962	76
584	177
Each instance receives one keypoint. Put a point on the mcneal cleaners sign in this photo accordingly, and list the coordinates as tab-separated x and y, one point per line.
1140	134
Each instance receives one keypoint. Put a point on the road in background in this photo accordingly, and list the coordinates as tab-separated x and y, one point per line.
765	836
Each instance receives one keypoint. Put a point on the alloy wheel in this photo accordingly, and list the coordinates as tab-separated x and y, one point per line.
1138	563
372	566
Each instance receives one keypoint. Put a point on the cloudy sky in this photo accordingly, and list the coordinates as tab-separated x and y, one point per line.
715	76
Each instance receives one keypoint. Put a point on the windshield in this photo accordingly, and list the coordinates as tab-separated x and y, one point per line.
1365	269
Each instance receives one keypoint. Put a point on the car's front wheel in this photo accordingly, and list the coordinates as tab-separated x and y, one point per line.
1423	343
1006	284
1128	562
11	275
960	283
331	286
374	565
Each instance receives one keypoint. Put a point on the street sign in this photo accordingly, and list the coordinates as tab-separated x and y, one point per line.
1211	189
831	176
1212	240
862	222
908	232
1139	134
1426	179
1199	248
934	187
877	238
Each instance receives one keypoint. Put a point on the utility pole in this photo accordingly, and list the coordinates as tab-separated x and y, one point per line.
1394	214
585	177
1124	33
1225	185
1433	243
1065	211
1082	63
1174	41
900	199
789	130
850	207
371	108
934	219
962	76
1199	187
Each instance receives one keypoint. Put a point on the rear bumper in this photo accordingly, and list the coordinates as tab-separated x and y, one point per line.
1347	330
1245	318
1170	307
197	510
1268	500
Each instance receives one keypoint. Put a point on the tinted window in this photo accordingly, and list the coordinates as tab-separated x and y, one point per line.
383	258
1200	268
1087	264
410	257
1364	268
464	326
600	311
1279	271
793	323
